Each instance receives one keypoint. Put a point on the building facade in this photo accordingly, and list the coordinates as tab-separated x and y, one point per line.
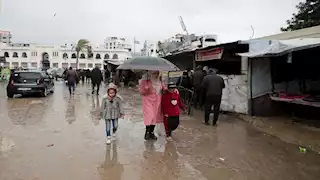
32	56
5	37
117	43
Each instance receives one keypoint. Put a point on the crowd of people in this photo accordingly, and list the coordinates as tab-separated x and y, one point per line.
207	89
161	103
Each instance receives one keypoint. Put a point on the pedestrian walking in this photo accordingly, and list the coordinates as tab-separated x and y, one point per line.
171	105
197	79
71	76
111	111
96	79
150	87
213	86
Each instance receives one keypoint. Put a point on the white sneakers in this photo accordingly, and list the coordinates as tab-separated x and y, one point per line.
108	140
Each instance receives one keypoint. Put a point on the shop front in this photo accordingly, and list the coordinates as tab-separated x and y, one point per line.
284	78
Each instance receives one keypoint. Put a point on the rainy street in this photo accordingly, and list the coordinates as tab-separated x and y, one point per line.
59	137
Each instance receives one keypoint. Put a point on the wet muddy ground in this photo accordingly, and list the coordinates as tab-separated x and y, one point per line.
58	137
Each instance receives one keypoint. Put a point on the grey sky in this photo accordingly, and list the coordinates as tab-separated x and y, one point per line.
34	21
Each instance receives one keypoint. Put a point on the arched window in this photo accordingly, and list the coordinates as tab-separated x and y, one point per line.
73	56
82	56
15	54
65	56
98	56
115	56
106	56
6	54
24	55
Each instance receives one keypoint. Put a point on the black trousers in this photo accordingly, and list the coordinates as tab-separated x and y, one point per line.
94	84
172	124
215	101
150	128
198	97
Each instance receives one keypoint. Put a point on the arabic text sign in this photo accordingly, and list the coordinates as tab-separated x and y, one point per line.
210	54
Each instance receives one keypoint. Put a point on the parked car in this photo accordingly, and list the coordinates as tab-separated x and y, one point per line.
30	82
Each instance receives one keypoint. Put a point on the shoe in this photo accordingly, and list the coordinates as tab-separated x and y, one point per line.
114	134
108	140
153	137
169	138
146	136
206	123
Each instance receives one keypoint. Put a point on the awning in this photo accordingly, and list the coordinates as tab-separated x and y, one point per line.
282	47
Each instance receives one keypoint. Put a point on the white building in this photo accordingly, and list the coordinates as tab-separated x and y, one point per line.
149	49
31	55
117	43
5	37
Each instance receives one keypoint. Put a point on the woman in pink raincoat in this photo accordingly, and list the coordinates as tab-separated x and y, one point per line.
150	87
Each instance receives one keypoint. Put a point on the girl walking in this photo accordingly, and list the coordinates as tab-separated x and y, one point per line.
111	111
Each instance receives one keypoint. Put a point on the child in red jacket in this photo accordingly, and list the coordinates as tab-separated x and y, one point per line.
171	104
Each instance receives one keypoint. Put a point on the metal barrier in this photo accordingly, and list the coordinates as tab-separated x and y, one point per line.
186	96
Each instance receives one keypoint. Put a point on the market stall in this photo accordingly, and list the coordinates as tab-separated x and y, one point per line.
285	71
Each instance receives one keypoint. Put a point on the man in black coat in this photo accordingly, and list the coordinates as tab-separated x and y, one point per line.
96	79
213	86
197	79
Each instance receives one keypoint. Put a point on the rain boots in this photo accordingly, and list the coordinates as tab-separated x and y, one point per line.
149	134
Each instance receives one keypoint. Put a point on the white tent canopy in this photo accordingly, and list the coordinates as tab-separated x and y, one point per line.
281	47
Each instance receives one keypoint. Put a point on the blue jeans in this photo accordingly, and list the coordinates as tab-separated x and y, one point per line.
108	126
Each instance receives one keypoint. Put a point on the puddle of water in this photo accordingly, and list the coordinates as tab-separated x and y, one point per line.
6	144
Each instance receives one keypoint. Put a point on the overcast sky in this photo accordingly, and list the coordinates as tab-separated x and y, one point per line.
34	20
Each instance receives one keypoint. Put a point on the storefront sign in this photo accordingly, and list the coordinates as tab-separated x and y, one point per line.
211	54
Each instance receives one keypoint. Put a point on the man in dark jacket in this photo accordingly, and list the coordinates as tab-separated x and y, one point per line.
197	79
71	76
96	79
213	86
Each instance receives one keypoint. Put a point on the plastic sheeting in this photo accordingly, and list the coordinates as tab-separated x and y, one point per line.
281	47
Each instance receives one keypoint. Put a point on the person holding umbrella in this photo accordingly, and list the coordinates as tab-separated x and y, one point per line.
151	88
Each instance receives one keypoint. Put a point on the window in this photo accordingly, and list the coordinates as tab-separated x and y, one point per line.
65	65
6	54
34	53
24	55
15	54
82	65
73	56
55	54
98	56
15	64
24	64
28	77
6	64
65	56
82	56
90	65
115	56
210	40
34	64
97	65
74	65
106	56
55	65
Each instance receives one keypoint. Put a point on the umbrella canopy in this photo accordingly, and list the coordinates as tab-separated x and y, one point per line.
148	63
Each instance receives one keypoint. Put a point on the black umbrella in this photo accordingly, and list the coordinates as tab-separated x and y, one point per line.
148	63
